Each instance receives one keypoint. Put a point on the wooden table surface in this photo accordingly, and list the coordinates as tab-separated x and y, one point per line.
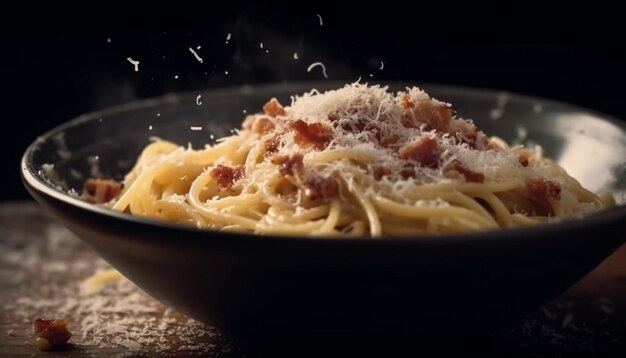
42	266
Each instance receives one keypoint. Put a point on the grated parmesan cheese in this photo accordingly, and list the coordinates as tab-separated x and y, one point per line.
362	106
114	317
134	63
315	64
195	54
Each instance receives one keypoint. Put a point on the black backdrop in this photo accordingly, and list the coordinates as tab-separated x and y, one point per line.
52	72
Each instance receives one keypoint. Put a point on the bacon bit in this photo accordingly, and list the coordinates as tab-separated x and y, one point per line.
258	123
271	146
273	108
100	191
435	114
468	133
317	187
459	169
408	171
424	150
380	172
225	176
289	165
407	103
464	132
51	334
544	193
544	190
315	134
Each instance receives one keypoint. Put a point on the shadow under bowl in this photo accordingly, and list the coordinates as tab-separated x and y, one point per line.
270	285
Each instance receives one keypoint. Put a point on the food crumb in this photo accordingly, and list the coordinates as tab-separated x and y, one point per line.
51	334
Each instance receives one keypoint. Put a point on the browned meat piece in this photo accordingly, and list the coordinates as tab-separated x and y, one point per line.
51	334
424	150
315	134
457	169
317	187
436	115
226	176
273	108
544	190
100	191
289	165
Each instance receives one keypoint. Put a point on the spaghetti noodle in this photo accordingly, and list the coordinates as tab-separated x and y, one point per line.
357	161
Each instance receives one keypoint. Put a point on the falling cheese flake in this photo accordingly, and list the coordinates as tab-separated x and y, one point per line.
228	36
195	54
134	63
321	21
195	128
315	64
199	47
176	77
382	65
295	56
371	75
198	102
109	40
225	72
261	44
567	320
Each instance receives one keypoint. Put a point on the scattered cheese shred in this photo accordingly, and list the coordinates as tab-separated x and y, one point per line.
315	64
195	54
134	63
321	21
95	282
198	102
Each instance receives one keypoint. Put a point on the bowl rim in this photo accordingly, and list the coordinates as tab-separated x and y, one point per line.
31	178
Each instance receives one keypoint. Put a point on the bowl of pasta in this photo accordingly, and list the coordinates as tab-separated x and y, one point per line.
333	207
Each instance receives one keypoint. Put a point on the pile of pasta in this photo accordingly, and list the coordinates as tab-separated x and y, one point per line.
357	161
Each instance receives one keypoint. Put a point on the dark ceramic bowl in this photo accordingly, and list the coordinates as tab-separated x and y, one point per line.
263	284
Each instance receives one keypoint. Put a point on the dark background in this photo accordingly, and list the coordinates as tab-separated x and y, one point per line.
52	72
